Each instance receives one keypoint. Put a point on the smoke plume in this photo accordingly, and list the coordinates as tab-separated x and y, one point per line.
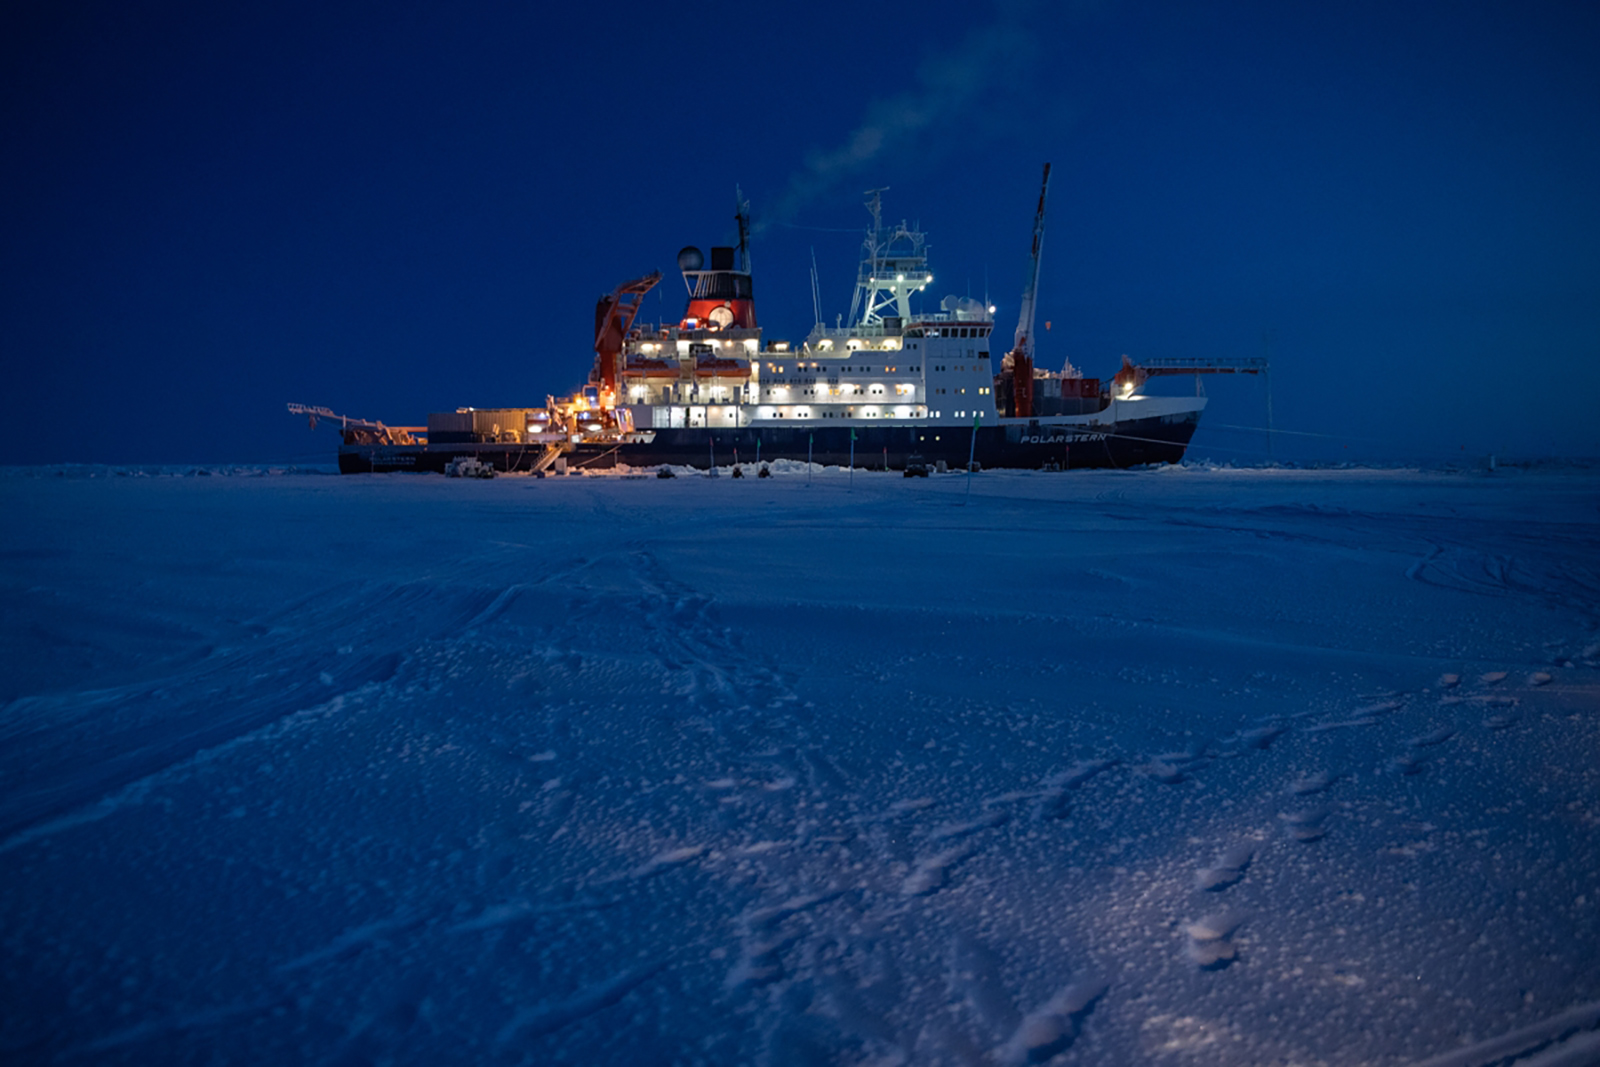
956	95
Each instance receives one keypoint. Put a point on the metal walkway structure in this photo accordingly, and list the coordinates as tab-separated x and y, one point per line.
1134	375
1181	365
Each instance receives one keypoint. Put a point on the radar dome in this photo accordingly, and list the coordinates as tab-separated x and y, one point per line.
689	258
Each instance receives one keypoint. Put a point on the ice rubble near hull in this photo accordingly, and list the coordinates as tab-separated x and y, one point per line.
1246	767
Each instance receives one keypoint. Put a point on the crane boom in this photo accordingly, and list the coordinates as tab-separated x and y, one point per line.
367	431
613	317
1021	357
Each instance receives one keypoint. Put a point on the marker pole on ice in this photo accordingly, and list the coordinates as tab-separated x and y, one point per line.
972	453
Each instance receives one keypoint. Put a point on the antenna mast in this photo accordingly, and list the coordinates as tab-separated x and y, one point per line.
894	266
741	214
1021	357
816	293
870	247
875	205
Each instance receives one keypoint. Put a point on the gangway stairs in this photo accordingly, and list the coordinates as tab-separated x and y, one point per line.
552	452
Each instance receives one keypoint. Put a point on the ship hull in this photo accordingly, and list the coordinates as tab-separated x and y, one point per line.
1015	444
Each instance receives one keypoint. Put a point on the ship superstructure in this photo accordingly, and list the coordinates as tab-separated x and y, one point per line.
894	384
713	370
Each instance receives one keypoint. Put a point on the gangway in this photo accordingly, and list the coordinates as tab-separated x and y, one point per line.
552	452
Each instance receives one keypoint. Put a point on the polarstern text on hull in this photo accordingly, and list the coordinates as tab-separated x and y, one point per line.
893	383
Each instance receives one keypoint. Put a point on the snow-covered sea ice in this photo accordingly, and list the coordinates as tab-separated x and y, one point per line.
1188	765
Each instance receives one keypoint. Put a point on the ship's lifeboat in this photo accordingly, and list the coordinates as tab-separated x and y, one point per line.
650	368
717	367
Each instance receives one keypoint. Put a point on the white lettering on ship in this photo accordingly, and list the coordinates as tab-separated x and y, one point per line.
1064	439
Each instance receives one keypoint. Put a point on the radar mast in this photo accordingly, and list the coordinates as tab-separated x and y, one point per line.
893	266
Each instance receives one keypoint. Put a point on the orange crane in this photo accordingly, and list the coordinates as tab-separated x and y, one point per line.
613	317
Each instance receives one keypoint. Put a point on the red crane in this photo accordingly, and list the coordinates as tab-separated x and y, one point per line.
613	317
1021	356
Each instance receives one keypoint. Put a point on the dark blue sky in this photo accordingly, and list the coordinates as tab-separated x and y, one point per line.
392	209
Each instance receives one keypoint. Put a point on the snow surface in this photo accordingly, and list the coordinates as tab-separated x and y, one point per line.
1191	766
